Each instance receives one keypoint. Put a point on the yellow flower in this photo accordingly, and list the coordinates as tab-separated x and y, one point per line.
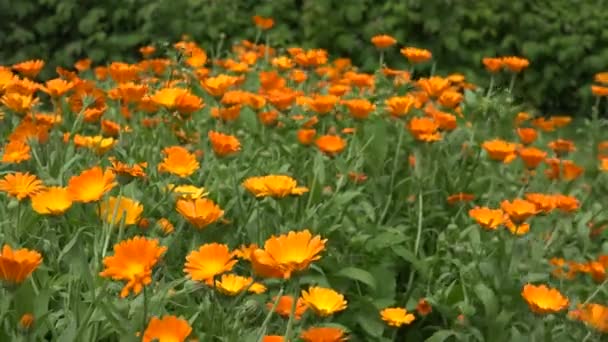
178	161
52	201
396	317
201	212
114	210
324	302
232	284
21	185
208	261
188	192
273	185
17	264
543	300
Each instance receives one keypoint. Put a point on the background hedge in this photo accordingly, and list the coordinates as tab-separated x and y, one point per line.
566	40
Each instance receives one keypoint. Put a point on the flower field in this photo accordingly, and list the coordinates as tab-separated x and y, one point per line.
258	193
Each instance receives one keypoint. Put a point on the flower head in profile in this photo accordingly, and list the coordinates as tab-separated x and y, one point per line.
232	284
330	144
416	55
91	185
128	171
218	85
383	41
487	218
515	64
200	212
399	106
167	329
288	253
187	192
491	64
277	186
21	185
29	68
500	150
396	317
519	209
52	201
16	151
285	304
208	261
17	264
594	315
531	156
132	262
359	108
527	135
323	334
263	23
323	301
179	162
223	144
114	210
424	129
544	300
460	197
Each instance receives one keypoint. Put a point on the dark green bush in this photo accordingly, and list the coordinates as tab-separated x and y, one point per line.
566	40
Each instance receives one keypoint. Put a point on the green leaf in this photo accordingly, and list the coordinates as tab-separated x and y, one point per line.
358	274
488	299
408	256
441	335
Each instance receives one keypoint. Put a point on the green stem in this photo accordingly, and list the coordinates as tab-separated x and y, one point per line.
145	316
597	290
491	87
393	173
419	228
512	83
381	62
292	314
269	315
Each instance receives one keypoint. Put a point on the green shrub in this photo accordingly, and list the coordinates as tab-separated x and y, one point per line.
566	40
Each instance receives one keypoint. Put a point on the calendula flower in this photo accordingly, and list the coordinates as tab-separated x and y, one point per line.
599	91
91	185
26	322
531	156
594	315
544	300
210	260
460	197
487	218
187	192
232	285
132	262
167	329
527	135
323	301
518	210
123	72
307	136
17	264
284	305
273	338
400	105
288	253
396	317
218	85
416	55
330	144
18	103
500	150
323	104
544	203
21	185
277	186
493	65
200	212
52	201
223	144
423	307
323	334
178	161
114	210
165	226
562	147
515	64
517	228
424	129
566	203
383	41
450	99
178	99
359	108
29	68
128	171
262	22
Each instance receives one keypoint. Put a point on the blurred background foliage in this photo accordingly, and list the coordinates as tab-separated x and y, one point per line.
565	40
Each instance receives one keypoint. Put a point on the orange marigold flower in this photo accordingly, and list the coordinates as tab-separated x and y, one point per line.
277	186
285	304
130	92
450	99
128	171
323	301
132	262
544	300
566	203
178	161
245	251
223	144
493	65
123	72
218	85
396	317
273	338
232	285
52	201
562	146
263	23
571	171
527	135
282	63
383	41
91	185
560	120
209	261
423	307
416	55
189	192
433	86
515	64
16	151
26	322
167	329
323	334
57	87
114	210
298	75
487	218
269	118
226	113
18	103
424	129
519	209
200	212
359	108
544	203
21	185
29	68
601	77
594	315
323	104
288	253
531	156
500	150
307	136
330	144
460	197
400	105
517	228
599	91
18	264
83	64
165	226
